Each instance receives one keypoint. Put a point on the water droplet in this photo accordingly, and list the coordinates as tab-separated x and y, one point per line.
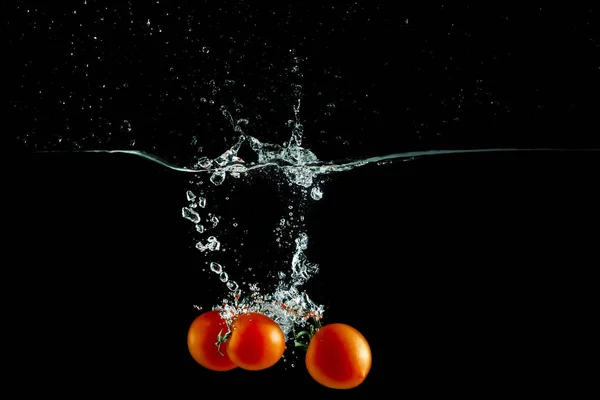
217	178
216	267
316	193
223	276
190	214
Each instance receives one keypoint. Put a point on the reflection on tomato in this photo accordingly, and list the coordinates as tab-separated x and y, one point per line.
338	357
256	342
202	338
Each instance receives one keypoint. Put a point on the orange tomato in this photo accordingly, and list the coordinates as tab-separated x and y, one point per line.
338	356
202	339
256	343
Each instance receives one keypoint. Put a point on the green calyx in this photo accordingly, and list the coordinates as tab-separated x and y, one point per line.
222	339
308	334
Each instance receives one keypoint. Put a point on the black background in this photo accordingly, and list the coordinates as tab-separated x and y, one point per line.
467	274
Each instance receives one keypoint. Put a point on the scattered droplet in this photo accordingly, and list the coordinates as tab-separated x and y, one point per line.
200	228
202	202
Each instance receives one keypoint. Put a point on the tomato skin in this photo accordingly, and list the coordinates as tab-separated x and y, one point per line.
202	338
256	343
338	357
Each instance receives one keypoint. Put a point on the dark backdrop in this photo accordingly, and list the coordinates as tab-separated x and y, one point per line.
467	274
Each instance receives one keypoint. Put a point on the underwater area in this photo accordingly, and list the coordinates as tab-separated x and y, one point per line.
425	174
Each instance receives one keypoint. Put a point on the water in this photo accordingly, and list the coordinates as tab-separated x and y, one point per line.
285	299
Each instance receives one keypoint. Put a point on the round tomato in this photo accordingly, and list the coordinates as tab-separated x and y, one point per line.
338	356
256	342
202	338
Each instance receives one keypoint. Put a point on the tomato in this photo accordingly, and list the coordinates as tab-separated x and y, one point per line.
256	342
338	356
202	338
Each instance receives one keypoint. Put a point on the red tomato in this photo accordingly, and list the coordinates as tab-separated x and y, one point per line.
256	343
202	338
338	357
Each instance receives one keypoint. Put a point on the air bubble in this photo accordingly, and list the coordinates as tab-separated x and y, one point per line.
216	267
190	214
223	276
316	193
217	177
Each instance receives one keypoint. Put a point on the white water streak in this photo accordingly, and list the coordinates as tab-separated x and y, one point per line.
338	166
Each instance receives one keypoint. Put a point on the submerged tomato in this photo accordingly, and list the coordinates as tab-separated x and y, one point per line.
338	357
202	339
256	342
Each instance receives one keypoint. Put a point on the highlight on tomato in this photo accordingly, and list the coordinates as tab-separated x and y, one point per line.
256	342
202	341
338	357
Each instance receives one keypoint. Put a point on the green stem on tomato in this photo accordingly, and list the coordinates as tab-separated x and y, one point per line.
222	339
310	333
